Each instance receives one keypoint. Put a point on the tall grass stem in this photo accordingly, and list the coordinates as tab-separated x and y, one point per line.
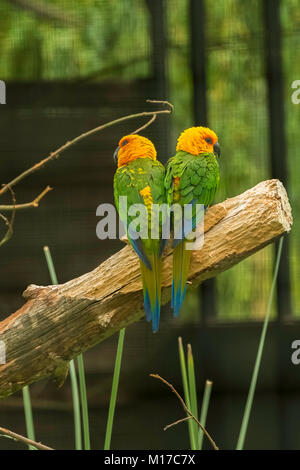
74	385
193	392
114	390
204	410
28	415
84	403
76	406
246	416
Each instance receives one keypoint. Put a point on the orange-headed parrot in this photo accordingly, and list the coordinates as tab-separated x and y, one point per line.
192	178
140	177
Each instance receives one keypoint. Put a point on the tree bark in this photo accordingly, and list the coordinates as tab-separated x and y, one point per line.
58	322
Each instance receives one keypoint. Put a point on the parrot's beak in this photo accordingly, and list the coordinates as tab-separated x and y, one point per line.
116	154
217	149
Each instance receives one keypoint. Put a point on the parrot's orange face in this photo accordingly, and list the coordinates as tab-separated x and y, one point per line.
132	147
197	140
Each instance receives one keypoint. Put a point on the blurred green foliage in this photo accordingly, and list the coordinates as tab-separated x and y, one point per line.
111	39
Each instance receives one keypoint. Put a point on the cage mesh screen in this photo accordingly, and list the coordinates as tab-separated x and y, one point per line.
74	39
290	20
89	41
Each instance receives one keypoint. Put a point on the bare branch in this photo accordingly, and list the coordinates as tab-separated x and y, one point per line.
183	420
188	412
9	232
145	125
19	437
34	203
163	102
10	222
77	139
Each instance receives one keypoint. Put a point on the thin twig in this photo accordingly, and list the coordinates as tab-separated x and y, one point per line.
10	222
145	125
24	439
188	412
9	231
77	139
167	103
182	420
34	203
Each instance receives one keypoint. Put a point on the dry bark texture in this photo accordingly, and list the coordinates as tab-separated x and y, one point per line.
58	322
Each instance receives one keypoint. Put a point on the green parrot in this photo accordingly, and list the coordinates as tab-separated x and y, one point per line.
192	178
140	177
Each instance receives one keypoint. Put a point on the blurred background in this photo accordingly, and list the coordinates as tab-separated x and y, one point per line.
70	66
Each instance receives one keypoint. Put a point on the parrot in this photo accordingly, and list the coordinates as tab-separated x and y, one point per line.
140	177
192	177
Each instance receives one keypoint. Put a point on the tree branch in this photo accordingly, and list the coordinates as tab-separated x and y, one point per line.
188	412
59	322
18	437
9	231
182	420
34	203
37	166
9	223
77	139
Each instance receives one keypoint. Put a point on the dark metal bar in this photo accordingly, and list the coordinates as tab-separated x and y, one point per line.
278	160
198	61
207	290
277	138
158	31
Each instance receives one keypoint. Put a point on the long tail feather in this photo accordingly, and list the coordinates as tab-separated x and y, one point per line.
152	289
181	264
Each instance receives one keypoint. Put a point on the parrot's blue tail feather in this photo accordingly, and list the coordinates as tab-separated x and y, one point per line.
152	290
181	264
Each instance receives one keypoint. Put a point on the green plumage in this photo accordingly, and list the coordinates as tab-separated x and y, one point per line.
199	178
190	180
131	180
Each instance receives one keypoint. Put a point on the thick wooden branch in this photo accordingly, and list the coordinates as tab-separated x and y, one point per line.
58	322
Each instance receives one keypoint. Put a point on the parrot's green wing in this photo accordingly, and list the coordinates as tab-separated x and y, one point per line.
142	182
192	178
190	181
129	180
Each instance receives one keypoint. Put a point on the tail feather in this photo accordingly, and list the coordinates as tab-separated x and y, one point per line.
152	289
181	265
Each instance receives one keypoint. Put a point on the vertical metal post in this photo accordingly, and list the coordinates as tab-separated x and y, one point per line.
278	159
207	289
158	28
198	61
278	151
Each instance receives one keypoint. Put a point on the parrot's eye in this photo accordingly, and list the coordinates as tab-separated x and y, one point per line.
208	140
124	143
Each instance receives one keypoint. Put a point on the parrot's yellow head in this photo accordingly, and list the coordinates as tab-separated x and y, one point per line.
134	146
197	140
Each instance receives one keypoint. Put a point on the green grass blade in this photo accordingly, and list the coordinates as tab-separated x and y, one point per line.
204	409
193	392
50	265
76	407
114	390
244	426
28	415
186	391
84	403
74	385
